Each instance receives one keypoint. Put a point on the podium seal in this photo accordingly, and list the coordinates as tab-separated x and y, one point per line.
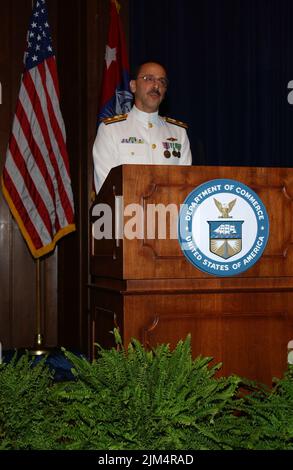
223	227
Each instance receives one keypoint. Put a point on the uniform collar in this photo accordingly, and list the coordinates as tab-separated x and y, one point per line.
146	118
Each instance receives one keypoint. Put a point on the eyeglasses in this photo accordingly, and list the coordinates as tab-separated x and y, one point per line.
163	81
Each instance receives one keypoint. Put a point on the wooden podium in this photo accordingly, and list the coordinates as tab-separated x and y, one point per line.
148	288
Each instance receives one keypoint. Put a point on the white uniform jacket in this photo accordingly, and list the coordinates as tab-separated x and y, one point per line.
139	138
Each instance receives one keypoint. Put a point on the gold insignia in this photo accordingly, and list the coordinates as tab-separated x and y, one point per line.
112	119
225	209
176	123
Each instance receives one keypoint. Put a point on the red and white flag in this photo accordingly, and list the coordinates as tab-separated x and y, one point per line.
116	97
36	179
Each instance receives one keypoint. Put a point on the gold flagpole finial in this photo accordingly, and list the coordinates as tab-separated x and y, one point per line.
118	6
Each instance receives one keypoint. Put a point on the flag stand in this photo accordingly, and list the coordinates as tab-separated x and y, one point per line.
38	153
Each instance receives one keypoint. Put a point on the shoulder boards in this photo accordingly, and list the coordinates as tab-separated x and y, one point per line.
112	119
176	123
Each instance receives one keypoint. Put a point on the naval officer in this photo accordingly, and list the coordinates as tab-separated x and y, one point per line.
142	136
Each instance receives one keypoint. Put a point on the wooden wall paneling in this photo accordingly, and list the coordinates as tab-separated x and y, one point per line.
72	249
5	283
5	233
49	300
24	293
96	36
20	307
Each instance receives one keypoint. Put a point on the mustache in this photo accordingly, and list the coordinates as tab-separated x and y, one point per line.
154	90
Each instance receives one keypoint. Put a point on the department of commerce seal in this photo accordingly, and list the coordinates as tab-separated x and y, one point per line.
223	227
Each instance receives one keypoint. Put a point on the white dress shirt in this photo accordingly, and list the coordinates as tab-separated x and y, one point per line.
139	138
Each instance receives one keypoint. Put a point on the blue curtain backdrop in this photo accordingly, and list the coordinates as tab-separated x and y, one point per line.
229	63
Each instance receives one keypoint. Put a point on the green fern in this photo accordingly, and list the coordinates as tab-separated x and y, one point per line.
23	391
270	416
139	399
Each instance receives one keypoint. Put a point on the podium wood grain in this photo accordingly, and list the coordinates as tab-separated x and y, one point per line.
148	288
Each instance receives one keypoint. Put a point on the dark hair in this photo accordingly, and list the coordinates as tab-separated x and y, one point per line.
135	70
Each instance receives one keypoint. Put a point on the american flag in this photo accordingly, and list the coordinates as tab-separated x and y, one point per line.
36	179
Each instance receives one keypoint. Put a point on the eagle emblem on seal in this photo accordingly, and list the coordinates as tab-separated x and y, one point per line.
225	208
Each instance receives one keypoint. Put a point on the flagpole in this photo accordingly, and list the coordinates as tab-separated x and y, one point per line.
39	338
38	343
117	4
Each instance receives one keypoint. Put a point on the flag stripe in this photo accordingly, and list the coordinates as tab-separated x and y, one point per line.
23	110
42	133
60	166
19	208
27	166
23	201
43	103
26	187
54	95
28	230
51	64
39	149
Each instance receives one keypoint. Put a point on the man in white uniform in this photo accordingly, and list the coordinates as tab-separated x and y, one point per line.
141	136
